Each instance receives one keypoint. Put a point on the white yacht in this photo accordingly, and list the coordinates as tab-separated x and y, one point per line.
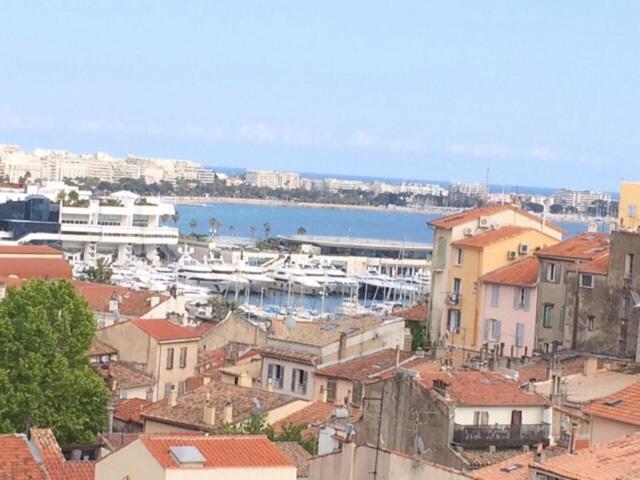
293	279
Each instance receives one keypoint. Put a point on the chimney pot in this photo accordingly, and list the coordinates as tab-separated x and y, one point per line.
173	396
228	413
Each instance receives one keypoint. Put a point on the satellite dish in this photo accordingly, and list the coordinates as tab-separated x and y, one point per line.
419	444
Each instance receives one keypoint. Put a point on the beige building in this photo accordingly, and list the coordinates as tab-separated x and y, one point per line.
234	328
158	347
458	226
615	416
180	457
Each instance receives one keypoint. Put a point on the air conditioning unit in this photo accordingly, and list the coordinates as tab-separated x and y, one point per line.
468	232
483	222
512	254
523	249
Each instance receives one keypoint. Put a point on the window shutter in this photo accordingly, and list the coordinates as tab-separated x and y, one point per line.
516	298
495	295
498	330
485	329
294	373
527	292
519	334
270	371
305	378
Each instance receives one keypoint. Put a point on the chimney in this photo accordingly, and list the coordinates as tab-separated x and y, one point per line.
209	414
278	327
113	303
538	456
590	366
173	396
270	385
342	349
149	394
323	393
531	386
244	380
228	413
206	380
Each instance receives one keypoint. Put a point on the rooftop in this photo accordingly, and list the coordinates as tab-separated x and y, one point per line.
622	406
296	455
54	462
356	242
17	460
219	451
491	237
129	410
321	334
39	250
100	348
480	458
417	313
585	246
34	267
460	218
131	303
599	265
523	273
312	417
125	375
363	367
163	330
513	468
615	460
189	410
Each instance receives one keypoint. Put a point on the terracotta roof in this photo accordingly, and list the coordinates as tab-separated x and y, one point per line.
582	247
615	460
54	462
492	236
290	355
115	441
219	451
35	268
100	348
465	216
475	388
126	375
599	265
623	406
189	410
312	416
211	359
363	367
29	250
321	334
163	330
514	468
132	303
523	273
417	313
16	459
129	410
296	455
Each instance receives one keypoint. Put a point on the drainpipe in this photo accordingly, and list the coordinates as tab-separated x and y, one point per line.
576	307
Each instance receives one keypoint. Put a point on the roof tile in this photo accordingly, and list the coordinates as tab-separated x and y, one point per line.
623	406
523	273
585	246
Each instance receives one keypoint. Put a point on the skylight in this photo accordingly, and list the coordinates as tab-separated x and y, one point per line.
613	402
511	468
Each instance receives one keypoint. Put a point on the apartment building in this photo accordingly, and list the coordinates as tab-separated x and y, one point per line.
272	179
466	224
628	214
581	200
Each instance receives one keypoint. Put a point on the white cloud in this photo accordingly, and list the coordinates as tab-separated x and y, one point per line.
480	151
544	153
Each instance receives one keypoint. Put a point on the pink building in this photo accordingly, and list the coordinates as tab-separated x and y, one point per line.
508	307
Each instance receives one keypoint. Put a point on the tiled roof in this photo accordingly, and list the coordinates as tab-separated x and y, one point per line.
129	410
115	441
297	455
290	355
473	214
623	406
363	367
523	273
211	359
484	457
33	267
321	334
126	375
189	410
615	460
417	313
491	237
16	459
599	265
132	303
163	330
54	462
312	417
219	451
514	468
100	348
29	250
582	247
474	388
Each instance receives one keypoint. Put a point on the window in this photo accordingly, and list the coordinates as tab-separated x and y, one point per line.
628	265
481	418
626	307
276	373
631	210
457	285
182	387
358	391
167	389
169	358
299	379
551	273
561	322
495	296
591	321
521	298
492	329
332	386
183	357
459	255
519	334
586	280
547	312
453	322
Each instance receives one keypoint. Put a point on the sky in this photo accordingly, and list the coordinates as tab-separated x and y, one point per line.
542	93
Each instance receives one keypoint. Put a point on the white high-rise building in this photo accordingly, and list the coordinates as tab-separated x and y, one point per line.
272	179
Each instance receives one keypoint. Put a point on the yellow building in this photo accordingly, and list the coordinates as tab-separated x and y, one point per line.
628	215
474	256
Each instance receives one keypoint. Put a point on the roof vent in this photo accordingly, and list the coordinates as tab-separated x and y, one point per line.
187	456
613	402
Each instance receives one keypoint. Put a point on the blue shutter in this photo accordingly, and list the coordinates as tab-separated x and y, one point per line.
527	293
498	330
519	334
516	298
495	295
485	330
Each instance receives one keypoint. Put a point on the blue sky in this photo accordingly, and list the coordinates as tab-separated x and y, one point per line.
543	93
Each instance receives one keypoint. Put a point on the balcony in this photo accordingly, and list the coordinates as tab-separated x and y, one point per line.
454	298
500	436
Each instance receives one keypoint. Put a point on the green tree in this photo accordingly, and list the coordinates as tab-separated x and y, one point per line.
193	223
45	377
176	218
267	230
231	229
102	272
302	231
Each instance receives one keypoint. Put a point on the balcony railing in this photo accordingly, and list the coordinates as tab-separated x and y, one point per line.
500	436
454	298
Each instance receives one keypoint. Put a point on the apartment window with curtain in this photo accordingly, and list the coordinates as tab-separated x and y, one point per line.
519	335
183	357
459	256
628	265
299	380
495	296
492	330
481	418
170	352
521	298
547	312
276	373
332	386
453	322
358	391
551	273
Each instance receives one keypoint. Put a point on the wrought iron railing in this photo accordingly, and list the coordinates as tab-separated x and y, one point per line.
505	436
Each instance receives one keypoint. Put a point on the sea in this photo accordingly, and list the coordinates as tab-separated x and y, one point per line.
237	220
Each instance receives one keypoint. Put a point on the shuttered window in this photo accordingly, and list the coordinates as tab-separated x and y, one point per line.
183	357
331	390
519	334
169	358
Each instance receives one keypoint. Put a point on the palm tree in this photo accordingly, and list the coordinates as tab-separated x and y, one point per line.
302	231
102	272
193	223
267	230
213	223
231	229
176	218
253	231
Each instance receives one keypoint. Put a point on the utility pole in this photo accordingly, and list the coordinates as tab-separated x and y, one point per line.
381	400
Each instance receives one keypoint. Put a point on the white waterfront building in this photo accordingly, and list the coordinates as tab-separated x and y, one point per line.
116	226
